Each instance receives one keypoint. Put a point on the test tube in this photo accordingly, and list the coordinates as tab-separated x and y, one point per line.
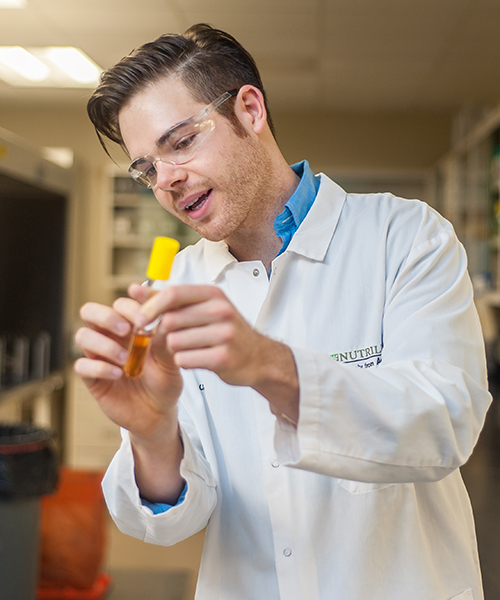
160	263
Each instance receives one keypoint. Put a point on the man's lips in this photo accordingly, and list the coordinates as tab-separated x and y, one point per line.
194	201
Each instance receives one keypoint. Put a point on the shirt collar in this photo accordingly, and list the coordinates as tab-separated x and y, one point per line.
217	258
315	233
301	200
311	240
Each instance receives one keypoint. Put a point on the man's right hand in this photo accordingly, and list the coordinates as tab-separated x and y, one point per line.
141	404
146	406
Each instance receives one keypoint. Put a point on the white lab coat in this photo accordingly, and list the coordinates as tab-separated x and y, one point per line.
365	499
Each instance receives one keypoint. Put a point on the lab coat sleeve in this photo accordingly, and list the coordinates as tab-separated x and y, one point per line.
179	522
418	414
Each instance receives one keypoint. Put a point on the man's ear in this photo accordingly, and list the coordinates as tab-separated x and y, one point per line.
250	108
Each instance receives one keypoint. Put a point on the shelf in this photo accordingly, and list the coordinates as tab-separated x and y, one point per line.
492	299
133	200
495	242
31	389
136	219
468	196
121	282
133	240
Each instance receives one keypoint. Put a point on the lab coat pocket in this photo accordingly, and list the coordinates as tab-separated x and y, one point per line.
360	487
467	595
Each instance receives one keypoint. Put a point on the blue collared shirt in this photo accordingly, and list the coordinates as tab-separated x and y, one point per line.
298	205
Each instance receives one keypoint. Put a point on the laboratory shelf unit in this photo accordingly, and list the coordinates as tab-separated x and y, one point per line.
125	218
136	219
468	195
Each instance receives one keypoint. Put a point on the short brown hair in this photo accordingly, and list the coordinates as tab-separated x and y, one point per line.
207	60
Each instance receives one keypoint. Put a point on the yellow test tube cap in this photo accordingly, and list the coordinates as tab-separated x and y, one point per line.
162	256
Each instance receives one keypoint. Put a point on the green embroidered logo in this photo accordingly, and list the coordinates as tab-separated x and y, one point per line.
370	356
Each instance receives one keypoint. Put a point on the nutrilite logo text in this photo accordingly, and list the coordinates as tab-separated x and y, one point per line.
370	356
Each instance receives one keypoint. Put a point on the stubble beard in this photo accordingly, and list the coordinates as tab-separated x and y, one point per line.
245	191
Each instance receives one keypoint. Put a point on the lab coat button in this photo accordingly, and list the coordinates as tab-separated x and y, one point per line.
275	464
287	552
202	386
256	272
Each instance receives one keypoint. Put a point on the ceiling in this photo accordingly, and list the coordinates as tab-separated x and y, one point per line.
341	55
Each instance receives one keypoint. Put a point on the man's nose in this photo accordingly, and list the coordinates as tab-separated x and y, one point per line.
168	175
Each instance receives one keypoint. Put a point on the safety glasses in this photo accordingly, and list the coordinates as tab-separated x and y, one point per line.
178	145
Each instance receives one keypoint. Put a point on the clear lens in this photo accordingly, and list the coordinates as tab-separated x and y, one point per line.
179	144
143	171
177	150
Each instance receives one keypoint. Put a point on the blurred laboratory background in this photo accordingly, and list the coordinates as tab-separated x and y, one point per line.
381	95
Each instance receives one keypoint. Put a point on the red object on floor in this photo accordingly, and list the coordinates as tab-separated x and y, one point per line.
72	536
96	592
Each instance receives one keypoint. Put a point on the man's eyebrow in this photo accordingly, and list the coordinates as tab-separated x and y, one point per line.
164	138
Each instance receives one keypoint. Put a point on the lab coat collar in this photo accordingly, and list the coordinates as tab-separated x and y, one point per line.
217	258
314	235
311	240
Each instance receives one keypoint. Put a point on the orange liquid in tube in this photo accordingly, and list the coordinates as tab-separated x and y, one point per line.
160	264
138	352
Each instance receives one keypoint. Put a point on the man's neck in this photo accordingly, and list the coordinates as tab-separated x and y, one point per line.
258	239
263	246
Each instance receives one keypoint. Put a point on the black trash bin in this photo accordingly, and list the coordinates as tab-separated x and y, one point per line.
28	469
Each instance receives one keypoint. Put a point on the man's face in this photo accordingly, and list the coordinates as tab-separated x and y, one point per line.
220	192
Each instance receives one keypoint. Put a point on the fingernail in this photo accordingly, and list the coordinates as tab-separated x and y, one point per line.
122	328
141	321
116	373
122	357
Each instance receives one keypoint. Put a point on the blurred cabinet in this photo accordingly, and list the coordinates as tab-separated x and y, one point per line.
92	439
136	219
467	194
126	218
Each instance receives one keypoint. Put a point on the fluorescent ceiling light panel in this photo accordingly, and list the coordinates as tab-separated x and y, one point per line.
13	3
47	67
60	156
75	64
24	63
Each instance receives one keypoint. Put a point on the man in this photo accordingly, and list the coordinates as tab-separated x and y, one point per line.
318	376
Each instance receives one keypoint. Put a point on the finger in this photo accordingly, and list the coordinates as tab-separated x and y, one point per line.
141	293
200	337
91	369
127	308
197	315
104	318
95	344
216	359
175	297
